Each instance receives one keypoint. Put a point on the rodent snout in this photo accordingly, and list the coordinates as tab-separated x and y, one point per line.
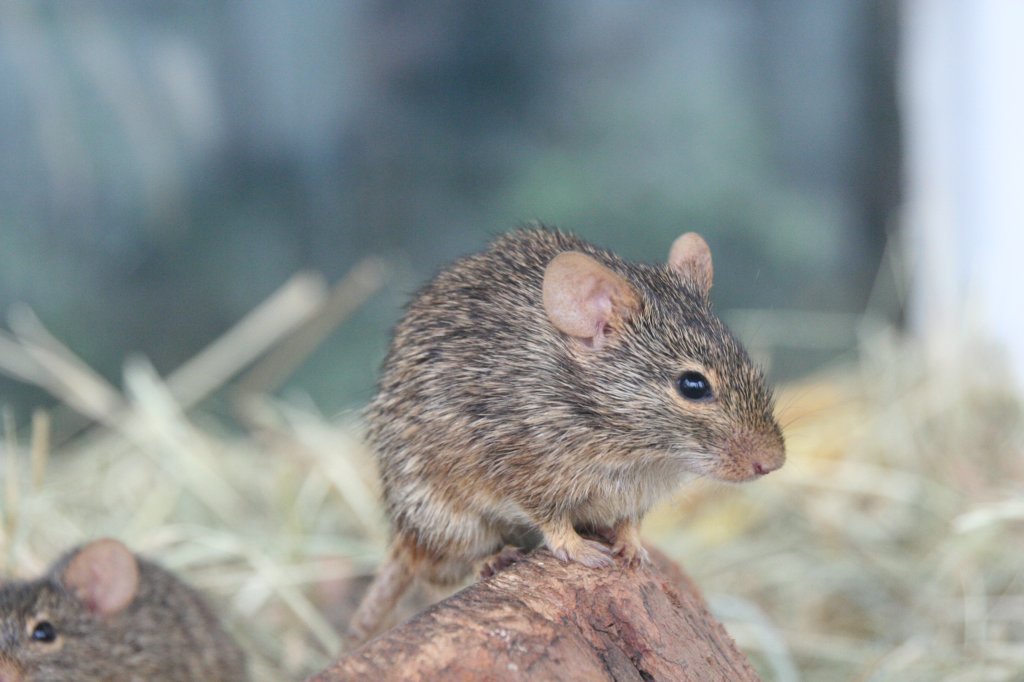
766	465
749	456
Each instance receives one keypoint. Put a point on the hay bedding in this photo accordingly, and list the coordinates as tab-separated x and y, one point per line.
889	548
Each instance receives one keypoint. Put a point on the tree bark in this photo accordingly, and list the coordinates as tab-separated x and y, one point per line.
541	619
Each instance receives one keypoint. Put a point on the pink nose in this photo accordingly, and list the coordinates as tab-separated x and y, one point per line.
761	468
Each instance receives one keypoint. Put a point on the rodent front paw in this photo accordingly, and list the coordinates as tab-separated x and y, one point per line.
627	544
587	552
632	553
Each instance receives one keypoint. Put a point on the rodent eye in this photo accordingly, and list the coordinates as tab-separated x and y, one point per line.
44	632
693	386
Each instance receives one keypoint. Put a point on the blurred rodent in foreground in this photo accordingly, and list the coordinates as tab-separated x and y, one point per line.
102	613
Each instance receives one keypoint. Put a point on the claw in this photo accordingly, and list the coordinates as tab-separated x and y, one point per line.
628	545
634	555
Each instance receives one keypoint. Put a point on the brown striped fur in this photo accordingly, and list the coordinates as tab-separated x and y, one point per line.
490	423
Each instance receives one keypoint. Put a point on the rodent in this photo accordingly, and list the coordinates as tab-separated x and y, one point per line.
102	613
547	385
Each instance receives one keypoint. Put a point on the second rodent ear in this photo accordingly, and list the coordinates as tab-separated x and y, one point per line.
104	575
586	300
691	258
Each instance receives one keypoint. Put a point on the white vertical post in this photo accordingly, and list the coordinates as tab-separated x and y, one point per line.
962	90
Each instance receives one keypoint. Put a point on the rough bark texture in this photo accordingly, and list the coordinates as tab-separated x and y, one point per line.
541	619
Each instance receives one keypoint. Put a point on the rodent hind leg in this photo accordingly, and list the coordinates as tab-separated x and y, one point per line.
627	543
567	545
496	563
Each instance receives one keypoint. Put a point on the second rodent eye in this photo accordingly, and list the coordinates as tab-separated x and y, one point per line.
694	386
44	632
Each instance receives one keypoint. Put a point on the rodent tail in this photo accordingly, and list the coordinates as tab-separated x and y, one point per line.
392	580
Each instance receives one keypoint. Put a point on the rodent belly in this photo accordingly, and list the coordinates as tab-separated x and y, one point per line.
603	511
628	495
506	512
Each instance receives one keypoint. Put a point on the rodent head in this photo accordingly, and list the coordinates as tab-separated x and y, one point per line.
665	377
54	628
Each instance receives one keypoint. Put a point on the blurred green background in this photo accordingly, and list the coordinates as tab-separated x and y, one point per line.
164	167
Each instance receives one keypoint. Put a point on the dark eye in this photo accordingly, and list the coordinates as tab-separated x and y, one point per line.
44	632
693	386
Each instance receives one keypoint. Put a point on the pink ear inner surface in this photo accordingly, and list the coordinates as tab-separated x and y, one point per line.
691	258
104	575
582	297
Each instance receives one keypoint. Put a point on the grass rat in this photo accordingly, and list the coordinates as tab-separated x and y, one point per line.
547	385
101	613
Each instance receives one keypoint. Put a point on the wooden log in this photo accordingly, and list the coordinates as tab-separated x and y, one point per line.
541	619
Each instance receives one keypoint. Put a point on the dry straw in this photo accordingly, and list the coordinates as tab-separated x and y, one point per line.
888	548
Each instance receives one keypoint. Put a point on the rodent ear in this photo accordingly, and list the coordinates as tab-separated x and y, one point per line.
104	575
691	258
583	298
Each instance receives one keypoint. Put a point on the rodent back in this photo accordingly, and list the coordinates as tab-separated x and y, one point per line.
475	363
471	338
